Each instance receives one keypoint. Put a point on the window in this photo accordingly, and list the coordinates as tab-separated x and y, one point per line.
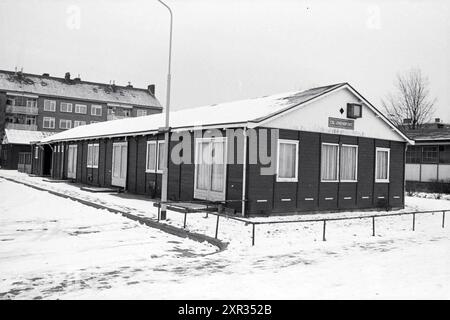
349	163
161	158
96	110
287	160
414	154
31	103
330	162
430	154
36	152
65	124
141	112
50	105
65	107
151	156
92	156
155	156
81	108
48	123
354	110
382	165
444	154
77	123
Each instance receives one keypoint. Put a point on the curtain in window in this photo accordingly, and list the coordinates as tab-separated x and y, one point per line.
218	166
348	163
382	165
161	158
202	163
117	160
151	156
287	158
329	166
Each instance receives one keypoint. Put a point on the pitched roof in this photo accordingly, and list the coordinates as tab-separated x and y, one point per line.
434	134
13	136
240	112
76	89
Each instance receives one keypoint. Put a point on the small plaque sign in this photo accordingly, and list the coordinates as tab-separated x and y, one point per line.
341	123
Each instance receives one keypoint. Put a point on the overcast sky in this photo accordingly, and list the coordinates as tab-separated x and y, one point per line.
229	50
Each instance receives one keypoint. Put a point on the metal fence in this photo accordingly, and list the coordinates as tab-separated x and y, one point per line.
319	220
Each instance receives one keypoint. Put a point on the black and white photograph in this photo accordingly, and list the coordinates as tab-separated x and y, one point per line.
213	150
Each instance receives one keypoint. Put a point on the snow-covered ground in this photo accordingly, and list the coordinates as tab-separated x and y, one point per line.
57	248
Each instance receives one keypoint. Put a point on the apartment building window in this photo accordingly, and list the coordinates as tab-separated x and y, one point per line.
48	123
78	123
49	105
330	162
382	165
65	107
92	156
31	103
65	124
287	160
81	108
96	110
141	112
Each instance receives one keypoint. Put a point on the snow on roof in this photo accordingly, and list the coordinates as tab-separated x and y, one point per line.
436	134
13	136
242	111
76	89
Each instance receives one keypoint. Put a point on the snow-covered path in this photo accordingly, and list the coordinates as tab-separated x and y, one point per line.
56	248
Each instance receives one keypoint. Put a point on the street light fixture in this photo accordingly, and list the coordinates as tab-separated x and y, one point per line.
165	175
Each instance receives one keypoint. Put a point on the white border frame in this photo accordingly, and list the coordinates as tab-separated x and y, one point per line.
78	105
338	161
357	156
118	182
288	141
54	122
52	103
67	104
97	106
70	121
146	156
388	162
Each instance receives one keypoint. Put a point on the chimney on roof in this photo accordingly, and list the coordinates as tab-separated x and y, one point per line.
67	76
151	89
77	79
46	75
129	85
113	86
437	120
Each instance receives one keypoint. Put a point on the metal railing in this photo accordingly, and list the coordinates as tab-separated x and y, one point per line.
22	110
324	221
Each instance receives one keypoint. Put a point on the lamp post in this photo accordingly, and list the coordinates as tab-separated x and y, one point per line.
165	175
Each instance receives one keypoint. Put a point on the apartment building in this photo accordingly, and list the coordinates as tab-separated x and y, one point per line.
51	104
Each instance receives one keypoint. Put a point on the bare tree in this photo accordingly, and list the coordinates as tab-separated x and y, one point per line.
411	101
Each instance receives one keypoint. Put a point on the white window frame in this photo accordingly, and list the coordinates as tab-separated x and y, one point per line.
157	156
287	141
78	106
357	156
388	150
50	120
96	107
68	105
90	163
146	157
77	123
66	121
338	161
51	105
